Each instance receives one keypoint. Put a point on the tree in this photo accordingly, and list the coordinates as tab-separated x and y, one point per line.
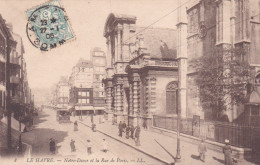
222	77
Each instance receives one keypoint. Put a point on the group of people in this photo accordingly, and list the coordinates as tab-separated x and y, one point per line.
130	129
73	146
226	150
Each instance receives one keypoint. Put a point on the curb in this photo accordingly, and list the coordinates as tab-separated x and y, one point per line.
138	149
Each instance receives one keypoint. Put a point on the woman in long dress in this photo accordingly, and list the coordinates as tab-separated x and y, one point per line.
76	126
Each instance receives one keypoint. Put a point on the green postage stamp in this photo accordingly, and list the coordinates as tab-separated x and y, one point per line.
48	26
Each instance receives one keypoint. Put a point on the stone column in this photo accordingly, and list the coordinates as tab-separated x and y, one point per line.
136	101
125	43
118	97
119	45
131	98
109	58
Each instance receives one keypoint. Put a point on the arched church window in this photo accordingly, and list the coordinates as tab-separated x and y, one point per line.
171	97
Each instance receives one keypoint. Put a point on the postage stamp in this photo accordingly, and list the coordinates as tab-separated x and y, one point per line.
48	26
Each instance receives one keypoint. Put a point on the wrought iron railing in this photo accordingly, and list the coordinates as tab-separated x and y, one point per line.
239	136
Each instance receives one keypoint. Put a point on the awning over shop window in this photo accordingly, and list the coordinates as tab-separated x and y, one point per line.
84	108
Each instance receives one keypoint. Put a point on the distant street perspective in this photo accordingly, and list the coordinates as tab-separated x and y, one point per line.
133	82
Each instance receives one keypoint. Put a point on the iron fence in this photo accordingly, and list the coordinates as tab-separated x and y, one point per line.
239	136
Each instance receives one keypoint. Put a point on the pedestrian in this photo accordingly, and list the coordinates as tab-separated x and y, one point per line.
120	128
76	126
145	124
124	126
52	146
105	145
202	150
128	128
137	135
72	145
227	153
132	129
93	127
89	147
92	118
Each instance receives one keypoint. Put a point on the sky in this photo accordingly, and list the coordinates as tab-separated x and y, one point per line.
87	19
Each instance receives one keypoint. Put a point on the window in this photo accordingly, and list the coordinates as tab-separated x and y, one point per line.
83	94
83	101
171	95
79	93
87	101
87	93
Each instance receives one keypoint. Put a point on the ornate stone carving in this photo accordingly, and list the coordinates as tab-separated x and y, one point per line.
172	86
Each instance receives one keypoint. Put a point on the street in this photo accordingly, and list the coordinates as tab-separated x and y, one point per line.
47	127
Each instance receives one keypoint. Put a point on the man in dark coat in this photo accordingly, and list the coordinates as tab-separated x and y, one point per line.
76	126
127	131
227	153
72	145
137	135
132	129
124	126
120	128
52	146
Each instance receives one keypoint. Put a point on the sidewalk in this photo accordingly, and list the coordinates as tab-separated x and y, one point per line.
149	146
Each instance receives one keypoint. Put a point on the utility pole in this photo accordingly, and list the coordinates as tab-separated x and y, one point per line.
178	153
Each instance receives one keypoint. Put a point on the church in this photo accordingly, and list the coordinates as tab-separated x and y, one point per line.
142	71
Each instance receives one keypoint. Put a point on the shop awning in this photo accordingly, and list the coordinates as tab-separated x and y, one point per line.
84	108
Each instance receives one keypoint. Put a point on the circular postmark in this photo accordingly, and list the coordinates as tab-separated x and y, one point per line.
48	27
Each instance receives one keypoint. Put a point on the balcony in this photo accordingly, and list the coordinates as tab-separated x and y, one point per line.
14	80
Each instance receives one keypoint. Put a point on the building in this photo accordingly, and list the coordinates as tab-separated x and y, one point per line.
98	59
3	55
63	93
142	72
221	25
14	109
81	92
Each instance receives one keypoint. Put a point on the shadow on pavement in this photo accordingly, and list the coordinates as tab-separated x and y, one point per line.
41	139
196	157
219	160
40	118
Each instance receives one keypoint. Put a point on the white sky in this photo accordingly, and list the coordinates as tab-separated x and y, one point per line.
87	18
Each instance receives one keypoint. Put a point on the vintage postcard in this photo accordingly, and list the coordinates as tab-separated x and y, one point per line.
129	82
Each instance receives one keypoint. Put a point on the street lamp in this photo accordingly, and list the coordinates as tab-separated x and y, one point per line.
178	153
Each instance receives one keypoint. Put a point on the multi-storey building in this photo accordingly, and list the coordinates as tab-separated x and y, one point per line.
63	92
14	88
98	59
81	92
3	55
142	71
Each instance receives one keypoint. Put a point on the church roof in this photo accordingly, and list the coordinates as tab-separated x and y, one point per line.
160	42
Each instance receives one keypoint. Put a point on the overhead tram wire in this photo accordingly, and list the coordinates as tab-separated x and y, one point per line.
195	40
153	23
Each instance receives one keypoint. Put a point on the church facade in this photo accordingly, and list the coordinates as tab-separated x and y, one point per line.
142	71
